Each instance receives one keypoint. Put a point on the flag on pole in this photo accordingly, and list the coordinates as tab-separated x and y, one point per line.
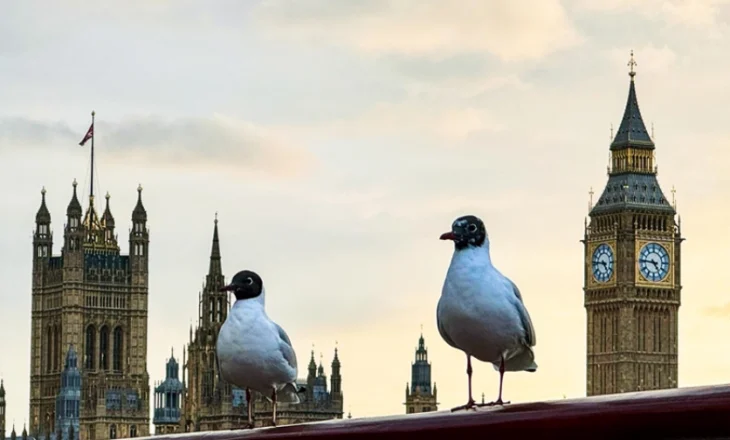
89	134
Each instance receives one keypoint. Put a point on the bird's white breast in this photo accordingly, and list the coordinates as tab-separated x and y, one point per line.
248	349
476	308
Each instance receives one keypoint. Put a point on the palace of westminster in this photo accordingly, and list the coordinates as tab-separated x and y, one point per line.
89	377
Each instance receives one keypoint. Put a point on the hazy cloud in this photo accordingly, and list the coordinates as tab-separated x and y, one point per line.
516	30
217	141
705	15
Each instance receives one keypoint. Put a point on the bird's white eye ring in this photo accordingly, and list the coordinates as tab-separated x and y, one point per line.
472	228
249	281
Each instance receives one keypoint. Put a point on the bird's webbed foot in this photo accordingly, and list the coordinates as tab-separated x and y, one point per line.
498	402
469	405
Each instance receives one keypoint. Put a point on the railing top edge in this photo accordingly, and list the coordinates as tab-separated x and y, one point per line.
698	408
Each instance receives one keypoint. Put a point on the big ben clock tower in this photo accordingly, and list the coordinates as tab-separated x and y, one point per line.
632	269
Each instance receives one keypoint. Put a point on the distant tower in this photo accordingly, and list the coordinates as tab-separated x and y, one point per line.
68	400
336	381
167	400
632	269
419	396
2	410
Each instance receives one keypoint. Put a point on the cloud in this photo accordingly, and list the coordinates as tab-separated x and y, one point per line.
513	31
701	15
217	141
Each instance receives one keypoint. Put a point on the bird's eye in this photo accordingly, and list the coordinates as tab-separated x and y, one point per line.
249	281
471	228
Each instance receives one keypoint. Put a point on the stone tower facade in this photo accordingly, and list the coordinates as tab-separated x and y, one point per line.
93	297
211	404
420	396
168	400
632	269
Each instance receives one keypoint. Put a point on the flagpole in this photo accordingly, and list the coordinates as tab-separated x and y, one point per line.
91	192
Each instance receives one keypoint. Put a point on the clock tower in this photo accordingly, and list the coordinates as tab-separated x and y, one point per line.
632	269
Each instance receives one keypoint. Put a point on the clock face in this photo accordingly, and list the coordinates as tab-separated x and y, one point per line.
653	262
602	263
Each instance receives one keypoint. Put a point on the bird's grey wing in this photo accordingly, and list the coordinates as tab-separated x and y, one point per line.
286	348
442	331
524	317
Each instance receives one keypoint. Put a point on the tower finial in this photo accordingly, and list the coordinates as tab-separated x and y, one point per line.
43	192
74	183
590	199
139	188
652	130
610	138
674	199
216	217
632	64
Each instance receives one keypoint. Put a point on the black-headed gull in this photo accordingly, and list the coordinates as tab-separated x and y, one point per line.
480	310
254	352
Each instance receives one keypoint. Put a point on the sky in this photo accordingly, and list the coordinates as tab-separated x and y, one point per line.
338	140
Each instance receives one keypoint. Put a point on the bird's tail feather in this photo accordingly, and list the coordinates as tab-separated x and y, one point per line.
522	361
289	394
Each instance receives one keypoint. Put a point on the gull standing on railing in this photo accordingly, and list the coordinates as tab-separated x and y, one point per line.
254	352
480	310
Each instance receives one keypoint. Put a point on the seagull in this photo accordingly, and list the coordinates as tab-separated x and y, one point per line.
480	310
254	352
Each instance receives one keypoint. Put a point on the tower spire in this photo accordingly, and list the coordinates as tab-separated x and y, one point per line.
632	132
215	251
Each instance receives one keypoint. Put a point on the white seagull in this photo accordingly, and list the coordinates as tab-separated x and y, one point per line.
254	352
480	310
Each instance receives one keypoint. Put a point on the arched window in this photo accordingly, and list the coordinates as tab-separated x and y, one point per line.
71	433
89	349
211	309
118	340
219	318
104	348
112	431
133	431
49	349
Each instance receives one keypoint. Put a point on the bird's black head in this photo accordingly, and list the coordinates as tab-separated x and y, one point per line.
466	231
245	284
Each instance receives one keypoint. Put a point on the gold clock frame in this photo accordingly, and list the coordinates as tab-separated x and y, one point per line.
591	279
668	280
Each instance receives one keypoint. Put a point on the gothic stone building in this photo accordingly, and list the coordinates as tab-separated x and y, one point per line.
94	298
211	404
632	269
420	397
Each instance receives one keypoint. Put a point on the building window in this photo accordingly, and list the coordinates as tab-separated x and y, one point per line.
104	348
219	312
211	309
118	341
113	431
411	410
49	349
133	431
90	346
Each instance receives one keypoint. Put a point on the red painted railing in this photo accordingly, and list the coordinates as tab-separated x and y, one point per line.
688	413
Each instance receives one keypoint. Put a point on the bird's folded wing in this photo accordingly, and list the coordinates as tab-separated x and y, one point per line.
530	337
442	331
286	348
